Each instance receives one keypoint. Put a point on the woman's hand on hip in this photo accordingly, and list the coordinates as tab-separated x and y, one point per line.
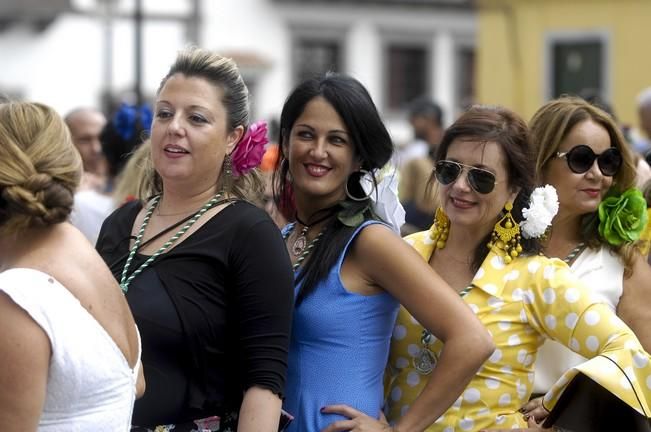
359	422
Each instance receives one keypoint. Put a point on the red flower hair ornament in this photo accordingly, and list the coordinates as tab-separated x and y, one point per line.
249	151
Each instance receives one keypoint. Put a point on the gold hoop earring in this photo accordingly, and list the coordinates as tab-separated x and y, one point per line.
506	235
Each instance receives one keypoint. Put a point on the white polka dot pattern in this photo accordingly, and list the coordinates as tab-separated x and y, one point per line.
592	318
496	356
549	296
521	303
640	360
570	320
572	295
471	395
592	343
466	424
399	332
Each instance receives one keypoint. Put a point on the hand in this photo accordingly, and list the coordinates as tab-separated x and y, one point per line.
535	409
359	422
532	426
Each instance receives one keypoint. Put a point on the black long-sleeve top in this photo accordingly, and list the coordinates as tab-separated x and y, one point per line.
214	312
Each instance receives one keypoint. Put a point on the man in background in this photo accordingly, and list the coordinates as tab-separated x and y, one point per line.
642	139
85	126
426	119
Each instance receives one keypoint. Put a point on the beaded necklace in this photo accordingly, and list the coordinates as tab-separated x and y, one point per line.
305	252
569	259
124	281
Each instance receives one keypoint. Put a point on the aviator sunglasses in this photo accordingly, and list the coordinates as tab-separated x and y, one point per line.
581	158
480	180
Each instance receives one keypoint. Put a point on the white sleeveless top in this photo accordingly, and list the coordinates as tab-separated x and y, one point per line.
90	385
603	273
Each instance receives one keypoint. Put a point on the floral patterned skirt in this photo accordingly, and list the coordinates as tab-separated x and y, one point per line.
225	423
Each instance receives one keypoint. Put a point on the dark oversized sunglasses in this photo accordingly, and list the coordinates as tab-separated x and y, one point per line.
480	180
581	158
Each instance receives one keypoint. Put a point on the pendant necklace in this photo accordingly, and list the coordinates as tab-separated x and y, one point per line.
307	250
425	361
300	243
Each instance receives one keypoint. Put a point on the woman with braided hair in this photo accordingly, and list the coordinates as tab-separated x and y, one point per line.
69	347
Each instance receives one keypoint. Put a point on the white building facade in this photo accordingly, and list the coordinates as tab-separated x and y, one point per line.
399	49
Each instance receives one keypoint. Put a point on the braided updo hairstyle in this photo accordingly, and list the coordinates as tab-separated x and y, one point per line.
39	167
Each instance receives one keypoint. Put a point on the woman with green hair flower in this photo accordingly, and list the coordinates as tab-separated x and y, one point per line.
581	152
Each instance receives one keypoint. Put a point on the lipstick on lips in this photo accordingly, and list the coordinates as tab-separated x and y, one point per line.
460	203
316	170
592	193
175	151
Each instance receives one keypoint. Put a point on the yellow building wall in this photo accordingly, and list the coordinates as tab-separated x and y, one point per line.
511	69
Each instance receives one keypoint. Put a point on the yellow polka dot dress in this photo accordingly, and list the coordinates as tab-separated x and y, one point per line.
521	304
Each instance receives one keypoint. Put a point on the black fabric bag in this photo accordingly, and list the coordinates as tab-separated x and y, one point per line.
585	406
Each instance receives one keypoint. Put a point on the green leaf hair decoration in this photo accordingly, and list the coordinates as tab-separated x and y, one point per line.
622	218
352	215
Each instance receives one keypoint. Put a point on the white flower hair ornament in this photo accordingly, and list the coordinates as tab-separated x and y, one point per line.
543	206
385	200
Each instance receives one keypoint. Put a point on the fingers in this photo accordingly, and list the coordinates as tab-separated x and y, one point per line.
343	410
531	405
539	414
383	418
340	426
533	426
359	421
534	408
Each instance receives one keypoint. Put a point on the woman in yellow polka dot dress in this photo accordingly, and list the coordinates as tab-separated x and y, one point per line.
485	176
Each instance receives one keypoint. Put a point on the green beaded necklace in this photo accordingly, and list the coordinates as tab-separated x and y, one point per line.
307	250
124	282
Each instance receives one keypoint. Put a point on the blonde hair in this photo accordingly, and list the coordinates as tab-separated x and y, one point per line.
222	73
39	167
549	127
130	179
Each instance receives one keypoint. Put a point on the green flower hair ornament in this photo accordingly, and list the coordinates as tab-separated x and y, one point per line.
622	218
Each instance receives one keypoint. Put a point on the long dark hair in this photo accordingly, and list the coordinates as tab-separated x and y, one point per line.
497	124
372	146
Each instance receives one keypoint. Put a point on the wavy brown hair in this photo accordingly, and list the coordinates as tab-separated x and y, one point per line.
550	125
489	123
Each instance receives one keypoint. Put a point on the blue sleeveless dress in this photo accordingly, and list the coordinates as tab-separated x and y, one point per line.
338	351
